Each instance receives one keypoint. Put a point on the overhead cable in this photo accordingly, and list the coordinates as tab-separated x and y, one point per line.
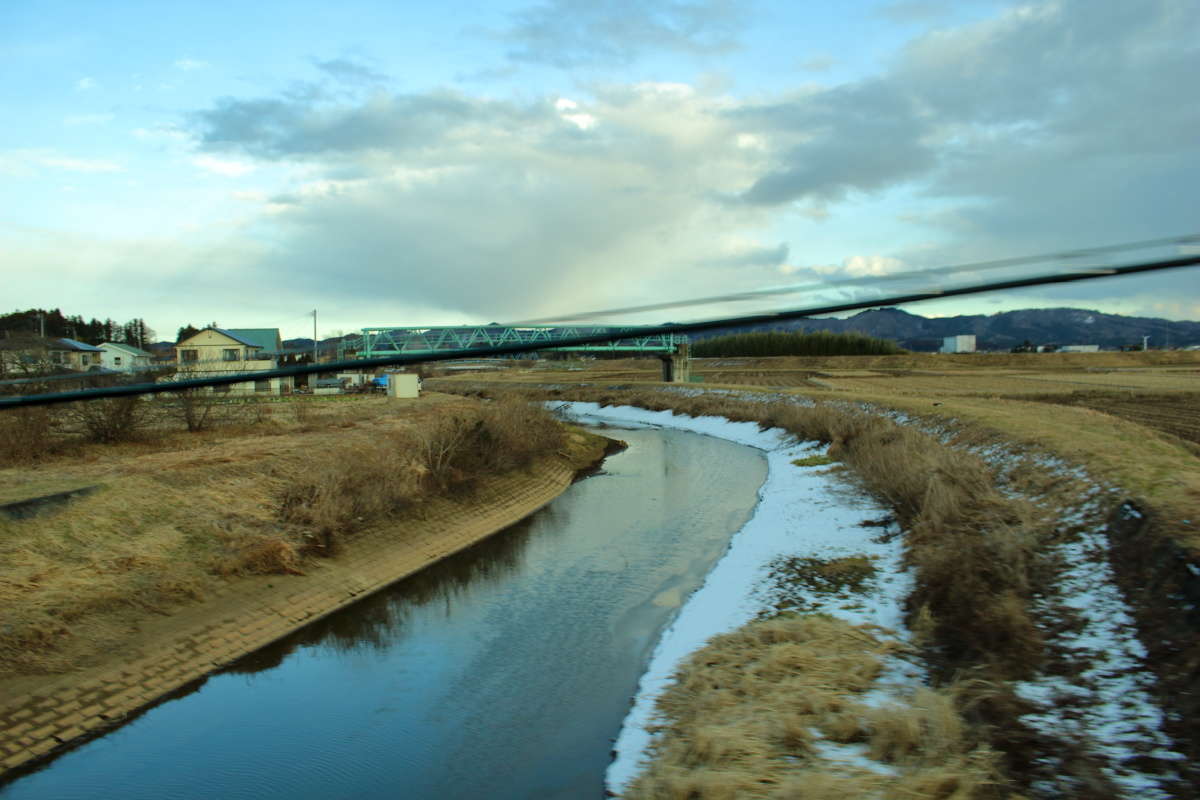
596	338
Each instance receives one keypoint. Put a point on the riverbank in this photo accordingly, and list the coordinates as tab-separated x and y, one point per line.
1030	589
156	654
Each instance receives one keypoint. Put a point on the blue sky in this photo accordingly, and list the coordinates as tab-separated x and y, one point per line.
405	163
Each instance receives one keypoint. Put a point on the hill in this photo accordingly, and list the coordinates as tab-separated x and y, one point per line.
1001	331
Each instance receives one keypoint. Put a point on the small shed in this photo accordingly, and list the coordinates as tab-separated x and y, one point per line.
963	343
403	385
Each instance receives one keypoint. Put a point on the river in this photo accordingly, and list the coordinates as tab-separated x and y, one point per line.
502	672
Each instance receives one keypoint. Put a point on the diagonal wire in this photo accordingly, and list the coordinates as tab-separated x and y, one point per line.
775	291
673	328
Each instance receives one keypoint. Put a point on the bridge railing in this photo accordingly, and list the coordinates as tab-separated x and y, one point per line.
415	341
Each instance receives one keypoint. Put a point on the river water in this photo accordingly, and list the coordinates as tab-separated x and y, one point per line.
502	672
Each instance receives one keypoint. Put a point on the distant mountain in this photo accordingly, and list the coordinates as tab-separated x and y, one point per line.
1001	331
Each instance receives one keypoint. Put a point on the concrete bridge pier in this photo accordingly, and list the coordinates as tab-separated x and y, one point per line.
677	365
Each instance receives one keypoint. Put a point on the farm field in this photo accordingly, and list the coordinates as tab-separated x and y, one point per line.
1177	413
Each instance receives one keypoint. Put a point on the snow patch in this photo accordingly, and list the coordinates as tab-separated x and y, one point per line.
801	511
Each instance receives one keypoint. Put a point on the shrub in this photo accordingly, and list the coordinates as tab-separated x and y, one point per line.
27	434
110	419
793	343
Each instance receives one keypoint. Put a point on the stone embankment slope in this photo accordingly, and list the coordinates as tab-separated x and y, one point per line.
41	715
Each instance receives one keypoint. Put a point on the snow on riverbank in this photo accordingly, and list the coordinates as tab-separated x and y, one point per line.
802	511
1106	708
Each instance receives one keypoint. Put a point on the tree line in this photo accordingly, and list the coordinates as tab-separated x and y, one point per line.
793	343
54	324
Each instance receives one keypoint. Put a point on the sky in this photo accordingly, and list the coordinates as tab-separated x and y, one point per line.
400	163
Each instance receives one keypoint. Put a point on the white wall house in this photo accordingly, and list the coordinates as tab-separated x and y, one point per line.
121	357
220	351
963	343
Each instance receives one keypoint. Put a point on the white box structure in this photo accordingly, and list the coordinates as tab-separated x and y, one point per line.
403	385
963	343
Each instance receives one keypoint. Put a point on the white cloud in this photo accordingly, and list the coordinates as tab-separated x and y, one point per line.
29	161
567	110
862	266
190	64
225	167
81	164
85	84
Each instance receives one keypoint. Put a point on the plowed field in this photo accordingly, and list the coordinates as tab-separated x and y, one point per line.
1177	413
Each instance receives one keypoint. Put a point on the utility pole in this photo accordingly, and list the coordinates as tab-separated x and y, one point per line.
314	336
1145	343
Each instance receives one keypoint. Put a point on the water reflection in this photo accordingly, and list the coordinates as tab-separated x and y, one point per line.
376	621
502	672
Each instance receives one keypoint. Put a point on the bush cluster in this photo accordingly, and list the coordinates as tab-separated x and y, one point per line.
793	343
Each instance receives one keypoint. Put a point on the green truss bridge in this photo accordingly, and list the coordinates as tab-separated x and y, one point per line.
380	342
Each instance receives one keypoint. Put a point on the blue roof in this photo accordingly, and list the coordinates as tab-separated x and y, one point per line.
74	345
128	348
265	338
233	335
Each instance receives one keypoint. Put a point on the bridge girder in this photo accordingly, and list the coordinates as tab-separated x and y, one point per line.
376	342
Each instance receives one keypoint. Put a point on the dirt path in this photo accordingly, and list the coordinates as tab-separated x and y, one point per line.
42	715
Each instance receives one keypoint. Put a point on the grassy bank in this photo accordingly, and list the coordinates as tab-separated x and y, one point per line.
751	714
177	516
985	542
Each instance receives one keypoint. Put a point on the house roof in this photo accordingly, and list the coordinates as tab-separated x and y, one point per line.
71	344
128	348
233	335
265	338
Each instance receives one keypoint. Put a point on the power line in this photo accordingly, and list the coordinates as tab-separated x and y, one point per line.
775	291
687	327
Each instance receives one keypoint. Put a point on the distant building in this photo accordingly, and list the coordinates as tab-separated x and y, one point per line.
218	351
121	357
1079	348
963	343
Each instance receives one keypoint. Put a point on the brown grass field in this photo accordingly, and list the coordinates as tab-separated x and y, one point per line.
178	514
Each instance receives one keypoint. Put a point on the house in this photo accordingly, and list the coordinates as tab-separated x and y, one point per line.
121	357
222	351
38	355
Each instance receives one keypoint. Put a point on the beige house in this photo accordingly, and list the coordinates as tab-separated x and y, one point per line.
221	351
37	355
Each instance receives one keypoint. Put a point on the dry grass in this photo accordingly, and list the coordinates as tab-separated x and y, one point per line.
754	713
168	524
27	435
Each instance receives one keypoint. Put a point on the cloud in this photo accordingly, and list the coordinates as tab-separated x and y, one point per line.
915	11
578	33
817	63
350	71
29	161
190	64
85	84
218	166
750	254
500	208
1027	131
862	266
1049	124
307	127
859	137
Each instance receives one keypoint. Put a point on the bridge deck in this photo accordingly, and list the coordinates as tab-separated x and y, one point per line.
376	342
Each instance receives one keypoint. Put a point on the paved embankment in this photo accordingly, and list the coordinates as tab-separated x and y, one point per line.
41	715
